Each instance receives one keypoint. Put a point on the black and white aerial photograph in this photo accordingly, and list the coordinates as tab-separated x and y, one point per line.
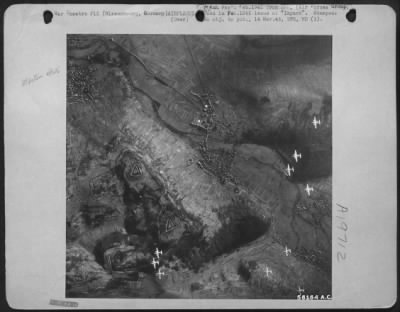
198	166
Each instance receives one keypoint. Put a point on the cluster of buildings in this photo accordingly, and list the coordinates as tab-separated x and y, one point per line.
206	119
79	83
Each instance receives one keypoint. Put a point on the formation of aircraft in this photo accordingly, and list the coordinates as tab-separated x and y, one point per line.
157	262
289	169
308	190
296	156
